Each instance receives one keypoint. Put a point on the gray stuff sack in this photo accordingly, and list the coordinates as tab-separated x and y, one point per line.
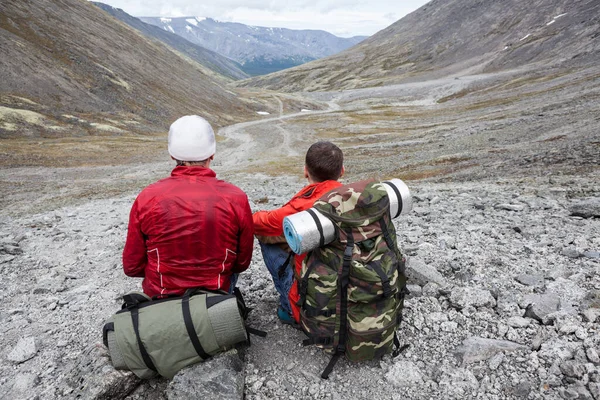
162	336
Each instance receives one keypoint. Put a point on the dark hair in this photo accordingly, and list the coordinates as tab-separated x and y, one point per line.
324	161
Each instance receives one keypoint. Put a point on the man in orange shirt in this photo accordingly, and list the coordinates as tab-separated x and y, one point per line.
324	165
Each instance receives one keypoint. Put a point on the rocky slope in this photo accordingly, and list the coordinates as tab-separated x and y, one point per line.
69	69
504	304
259	50
210	59
447	37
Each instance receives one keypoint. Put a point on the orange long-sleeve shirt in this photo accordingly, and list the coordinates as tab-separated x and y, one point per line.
270	224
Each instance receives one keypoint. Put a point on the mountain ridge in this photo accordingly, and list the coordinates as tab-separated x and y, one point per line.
258	49
448	37
211	59
70	69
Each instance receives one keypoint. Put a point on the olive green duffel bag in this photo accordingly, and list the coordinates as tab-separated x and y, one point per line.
162	336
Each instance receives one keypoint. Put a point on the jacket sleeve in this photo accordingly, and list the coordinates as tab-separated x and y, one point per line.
245	238
270	223
135	257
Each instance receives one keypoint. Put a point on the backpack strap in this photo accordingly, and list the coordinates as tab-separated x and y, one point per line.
133	300
189	326
105	329
303	286
398	349
281	270
388	239
398	196
385	280
311	311
319	226
135	319
344	277
322	340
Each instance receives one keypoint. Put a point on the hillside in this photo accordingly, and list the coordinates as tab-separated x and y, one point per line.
259	50
446	37
211	59
69	69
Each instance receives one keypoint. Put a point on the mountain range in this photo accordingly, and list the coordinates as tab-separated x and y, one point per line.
259	50
69	69
447	37
215	61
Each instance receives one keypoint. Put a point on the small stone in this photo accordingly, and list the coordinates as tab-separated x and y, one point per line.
509	207
476	349
568	393
573	369
469	296
586	208
592	355
403	374
591	314
530	280
495	361
537	342
571	253
594	388
271	385
414	291
25	382
25	350
568	328
522	389
581	333
420	273
257	385
539	306
221	377
518	322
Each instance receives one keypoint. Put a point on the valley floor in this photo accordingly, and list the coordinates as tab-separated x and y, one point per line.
497	166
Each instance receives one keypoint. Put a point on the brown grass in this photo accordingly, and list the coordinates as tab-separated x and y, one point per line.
81	151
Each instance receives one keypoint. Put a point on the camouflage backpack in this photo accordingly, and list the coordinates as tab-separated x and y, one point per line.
352	289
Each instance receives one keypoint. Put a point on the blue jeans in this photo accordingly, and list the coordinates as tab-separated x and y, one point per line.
275	257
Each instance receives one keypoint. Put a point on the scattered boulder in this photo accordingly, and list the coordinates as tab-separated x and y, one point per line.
476	349
25	350
420	273
221	377
539	306
531	280
573	369
509	207
587	208
93	377
468	296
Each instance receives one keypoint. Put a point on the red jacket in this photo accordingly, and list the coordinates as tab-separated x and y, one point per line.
270	223
188	230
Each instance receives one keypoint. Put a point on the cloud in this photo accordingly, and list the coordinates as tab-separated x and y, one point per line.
340	17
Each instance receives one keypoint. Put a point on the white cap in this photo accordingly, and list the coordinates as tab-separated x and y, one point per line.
191	138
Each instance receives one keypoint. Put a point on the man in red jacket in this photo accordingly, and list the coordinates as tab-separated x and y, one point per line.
190	229
324	165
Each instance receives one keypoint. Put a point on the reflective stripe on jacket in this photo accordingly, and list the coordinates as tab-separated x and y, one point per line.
270	223
188	230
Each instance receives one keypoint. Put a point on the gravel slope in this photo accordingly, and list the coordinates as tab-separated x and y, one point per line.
504	279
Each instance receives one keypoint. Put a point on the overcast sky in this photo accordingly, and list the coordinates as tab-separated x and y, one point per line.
341	17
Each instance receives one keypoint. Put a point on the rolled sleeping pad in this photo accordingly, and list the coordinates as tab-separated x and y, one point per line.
302	231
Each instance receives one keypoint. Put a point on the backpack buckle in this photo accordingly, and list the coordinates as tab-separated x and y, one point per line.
387	289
